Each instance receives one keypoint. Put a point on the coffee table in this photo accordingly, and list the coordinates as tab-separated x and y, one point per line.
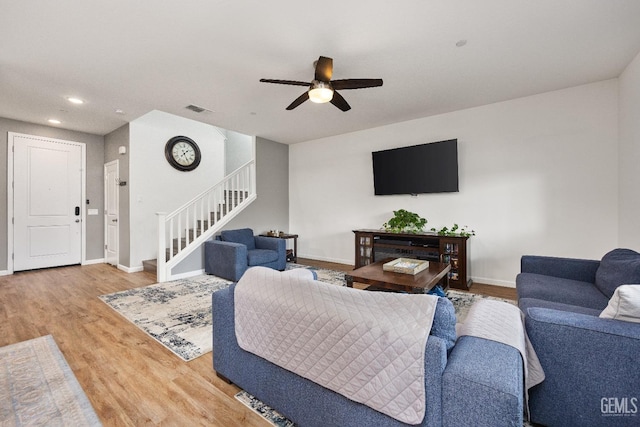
421	283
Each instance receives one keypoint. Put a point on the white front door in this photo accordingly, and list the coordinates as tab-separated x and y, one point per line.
111	203
47	202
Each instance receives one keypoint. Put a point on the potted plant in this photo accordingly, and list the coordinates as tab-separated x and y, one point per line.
455	231
404	221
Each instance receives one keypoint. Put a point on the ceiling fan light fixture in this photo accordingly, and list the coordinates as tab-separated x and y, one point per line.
320	92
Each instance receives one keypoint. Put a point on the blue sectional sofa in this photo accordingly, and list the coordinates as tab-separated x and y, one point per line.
591	364
476	382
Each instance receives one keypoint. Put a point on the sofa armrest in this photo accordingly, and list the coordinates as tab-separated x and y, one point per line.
585	359
580	328
482	384
225	259
223	319
271	243
583	270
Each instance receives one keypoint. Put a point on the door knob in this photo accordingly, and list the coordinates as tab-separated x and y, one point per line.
114	220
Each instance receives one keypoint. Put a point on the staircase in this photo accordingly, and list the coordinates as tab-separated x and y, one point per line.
188	227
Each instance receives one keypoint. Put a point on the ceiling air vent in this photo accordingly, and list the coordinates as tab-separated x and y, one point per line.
198	109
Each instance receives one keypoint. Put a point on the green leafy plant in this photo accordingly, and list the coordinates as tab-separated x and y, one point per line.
404	221
455	231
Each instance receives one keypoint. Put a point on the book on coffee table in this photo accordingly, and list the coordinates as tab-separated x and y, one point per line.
406	266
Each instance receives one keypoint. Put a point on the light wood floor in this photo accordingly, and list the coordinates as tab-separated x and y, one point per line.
130	379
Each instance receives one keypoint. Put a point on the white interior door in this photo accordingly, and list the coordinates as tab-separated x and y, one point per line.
47	202
111	219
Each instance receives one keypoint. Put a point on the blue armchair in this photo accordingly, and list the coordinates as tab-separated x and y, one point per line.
231	253
591	364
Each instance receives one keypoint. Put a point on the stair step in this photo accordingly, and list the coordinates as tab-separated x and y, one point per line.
201	226
194	234
237	194
150	265
183	240
215	217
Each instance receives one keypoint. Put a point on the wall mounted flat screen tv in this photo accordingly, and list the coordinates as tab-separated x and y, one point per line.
424	168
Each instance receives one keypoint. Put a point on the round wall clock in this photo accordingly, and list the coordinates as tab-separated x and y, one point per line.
182	153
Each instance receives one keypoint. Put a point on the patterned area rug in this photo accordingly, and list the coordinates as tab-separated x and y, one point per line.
266	412
38	388
462	302
177	314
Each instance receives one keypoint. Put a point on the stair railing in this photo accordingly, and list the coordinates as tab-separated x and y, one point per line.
185	229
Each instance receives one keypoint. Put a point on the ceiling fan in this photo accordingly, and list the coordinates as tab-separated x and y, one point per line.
322	89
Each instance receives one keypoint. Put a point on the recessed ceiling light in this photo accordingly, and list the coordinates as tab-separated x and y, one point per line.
461	43
119	111
74	100
54	121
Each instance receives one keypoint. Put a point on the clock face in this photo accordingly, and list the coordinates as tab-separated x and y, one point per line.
182	153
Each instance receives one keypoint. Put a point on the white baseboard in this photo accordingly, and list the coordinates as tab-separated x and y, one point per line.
93	261
486	281
327	259
186	275
130	269
5	273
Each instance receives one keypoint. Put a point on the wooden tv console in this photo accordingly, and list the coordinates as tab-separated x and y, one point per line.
374	245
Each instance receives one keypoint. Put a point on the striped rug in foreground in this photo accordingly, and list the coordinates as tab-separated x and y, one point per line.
38	388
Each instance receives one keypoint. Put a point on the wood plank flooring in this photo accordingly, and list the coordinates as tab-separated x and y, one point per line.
130	379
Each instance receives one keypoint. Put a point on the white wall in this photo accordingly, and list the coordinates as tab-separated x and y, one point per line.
538	175
158	187
238	150
629	231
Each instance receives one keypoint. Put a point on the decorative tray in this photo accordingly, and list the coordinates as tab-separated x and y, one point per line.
406	266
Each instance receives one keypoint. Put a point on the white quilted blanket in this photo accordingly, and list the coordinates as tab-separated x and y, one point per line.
502	322
367	346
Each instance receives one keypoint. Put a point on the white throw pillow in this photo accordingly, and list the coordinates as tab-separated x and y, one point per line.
624	304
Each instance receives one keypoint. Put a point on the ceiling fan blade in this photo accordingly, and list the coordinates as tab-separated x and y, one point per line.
340	102
355	83
299	100
285	82
324	69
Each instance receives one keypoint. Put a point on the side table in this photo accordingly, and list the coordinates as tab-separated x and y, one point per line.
286	236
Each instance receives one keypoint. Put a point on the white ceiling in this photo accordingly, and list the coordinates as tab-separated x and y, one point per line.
146	55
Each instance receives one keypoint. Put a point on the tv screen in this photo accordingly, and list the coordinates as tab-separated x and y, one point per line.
424	168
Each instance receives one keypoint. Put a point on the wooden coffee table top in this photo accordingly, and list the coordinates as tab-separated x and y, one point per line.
374	275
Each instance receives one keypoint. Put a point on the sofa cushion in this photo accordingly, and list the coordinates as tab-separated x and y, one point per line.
618	267
624	304
527	303
243	236
556	289
261	256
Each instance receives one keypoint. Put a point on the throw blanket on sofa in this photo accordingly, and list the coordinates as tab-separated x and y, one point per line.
367	346
502	322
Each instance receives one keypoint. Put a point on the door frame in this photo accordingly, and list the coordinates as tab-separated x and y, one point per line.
10	196
117	165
